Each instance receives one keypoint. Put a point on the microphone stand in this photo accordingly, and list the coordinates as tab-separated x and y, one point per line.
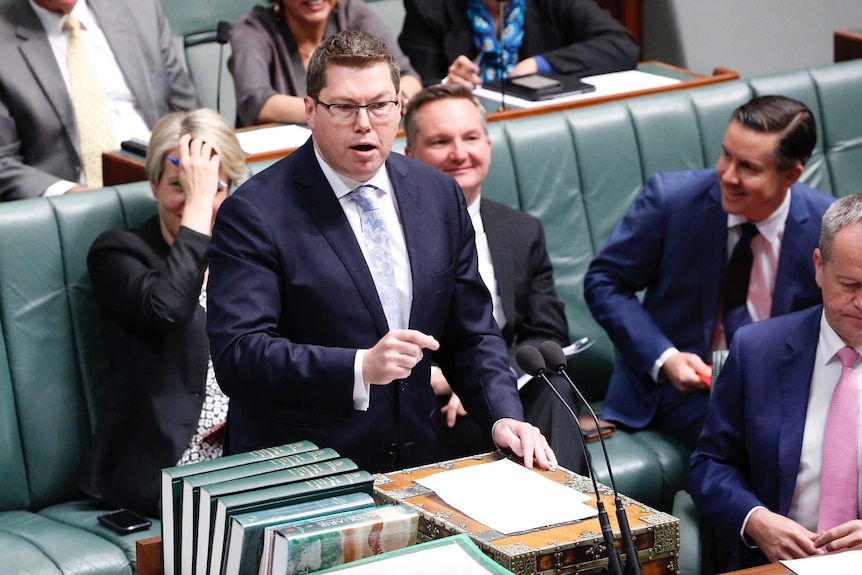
500	69
553	354
222	37
531	361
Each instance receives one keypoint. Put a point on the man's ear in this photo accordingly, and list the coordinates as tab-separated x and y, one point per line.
309	110
408	152
791	175
818	267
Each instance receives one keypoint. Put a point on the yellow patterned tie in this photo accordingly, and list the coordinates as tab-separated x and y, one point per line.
90	104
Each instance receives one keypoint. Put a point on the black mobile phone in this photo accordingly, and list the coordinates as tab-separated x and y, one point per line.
124	521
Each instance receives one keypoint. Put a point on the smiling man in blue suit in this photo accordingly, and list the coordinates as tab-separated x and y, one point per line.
768	473
340	273
713	249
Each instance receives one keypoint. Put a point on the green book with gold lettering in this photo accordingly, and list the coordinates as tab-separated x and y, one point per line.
211	533
171	493
193	483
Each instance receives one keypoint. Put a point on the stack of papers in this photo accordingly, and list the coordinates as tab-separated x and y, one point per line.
534	501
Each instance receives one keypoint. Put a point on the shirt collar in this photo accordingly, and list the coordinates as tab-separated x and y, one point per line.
475	214
53	22
830	342
343	185
772	227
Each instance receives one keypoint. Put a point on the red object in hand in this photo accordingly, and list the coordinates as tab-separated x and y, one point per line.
706	378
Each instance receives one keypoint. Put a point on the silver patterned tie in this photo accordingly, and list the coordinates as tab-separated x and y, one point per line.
375	236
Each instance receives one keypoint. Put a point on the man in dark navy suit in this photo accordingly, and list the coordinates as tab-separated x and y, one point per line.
446	129
768	472
337	275
678	244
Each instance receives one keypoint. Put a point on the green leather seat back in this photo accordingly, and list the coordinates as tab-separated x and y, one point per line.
13	475
51	328
193	16
41	352
841	124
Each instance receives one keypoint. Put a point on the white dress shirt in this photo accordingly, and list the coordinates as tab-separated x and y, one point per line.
342	186
486	265
827	370
126	118
805	505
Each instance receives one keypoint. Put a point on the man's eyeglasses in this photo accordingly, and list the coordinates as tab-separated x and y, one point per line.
346	113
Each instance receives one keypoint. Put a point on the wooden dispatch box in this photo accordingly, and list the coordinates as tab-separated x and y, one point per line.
569	548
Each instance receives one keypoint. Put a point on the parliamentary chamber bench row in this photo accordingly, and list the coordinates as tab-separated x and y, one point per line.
576	170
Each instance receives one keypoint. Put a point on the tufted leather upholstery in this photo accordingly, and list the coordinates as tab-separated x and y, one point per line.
577	171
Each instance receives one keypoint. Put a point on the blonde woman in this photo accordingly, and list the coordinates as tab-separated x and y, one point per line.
164	407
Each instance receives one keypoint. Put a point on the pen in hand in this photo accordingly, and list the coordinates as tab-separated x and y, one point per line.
176	162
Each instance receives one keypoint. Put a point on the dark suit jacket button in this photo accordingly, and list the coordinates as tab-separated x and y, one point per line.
391	449
402	385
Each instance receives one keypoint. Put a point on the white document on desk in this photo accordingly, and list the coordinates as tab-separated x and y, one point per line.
846	563
508	497
272	138
606	85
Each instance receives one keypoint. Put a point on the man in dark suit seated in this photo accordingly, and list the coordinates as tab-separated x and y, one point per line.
339	274
776	469
713	249
446	129
77	78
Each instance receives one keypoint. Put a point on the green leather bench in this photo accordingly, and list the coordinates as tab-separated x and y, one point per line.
579	170
576	170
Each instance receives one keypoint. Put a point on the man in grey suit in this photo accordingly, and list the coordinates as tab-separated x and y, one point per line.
446	129
130	45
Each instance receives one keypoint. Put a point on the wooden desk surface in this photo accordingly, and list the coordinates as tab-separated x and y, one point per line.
847	45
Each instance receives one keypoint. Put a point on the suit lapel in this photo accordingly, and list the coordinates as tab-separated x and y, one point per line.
40	58
409	209
795	367
119	31
501	252
793	257
319	201
713	245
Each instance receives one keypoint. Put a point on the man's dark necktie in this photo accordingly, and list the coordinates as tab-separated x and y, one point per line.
734	309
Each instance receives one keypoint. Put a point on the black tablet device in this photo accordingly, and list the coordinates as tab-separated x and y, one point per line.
541	86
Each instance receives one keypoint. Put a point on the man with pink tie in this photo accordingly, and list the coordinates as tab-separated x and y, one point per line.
776	469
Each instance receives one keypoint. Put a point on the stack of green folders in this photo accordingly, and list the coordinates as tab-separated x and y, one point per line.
234	514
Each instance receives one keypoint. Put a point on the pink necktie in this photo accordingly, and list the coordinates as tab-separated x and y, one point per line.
839	478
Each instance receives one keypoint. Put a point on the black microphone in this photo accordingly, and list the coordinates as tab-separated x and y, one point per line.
222	37
554	356
530	360
501	71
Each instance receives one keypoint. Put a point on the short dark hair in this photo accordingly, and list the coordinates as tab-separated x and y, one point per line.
785	116
433	94
351	49
845	212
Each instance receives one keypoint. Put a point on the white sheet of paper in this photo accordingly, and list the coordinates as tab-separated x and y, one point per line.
847	563
432	561
508	497
606	85
272	138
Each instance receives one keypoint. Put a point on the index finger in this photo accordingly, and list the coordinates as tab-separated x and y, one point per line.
416	337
